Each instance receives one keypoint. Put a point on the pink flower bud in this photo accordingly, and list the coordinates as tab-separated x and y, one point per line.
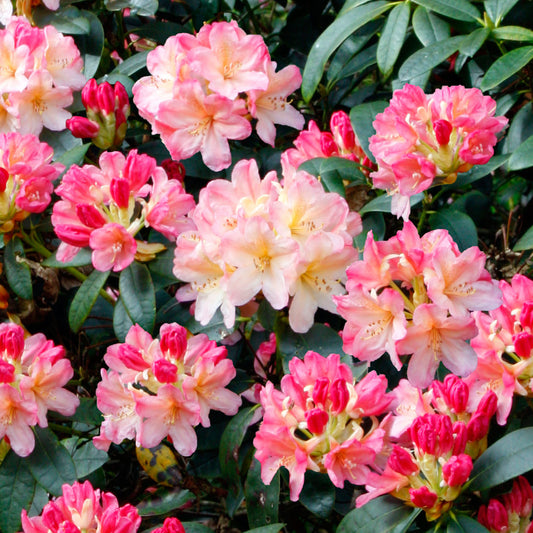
173	339
170	525
432	434
320	391
456	393
4	176
520	499
457	469
443	130
339	395
342	130
90	216
106	98
423	497
165	371
88	95
401	461
327	144
122	99
82	128
316	420
132	357
11	341
120	192
488	404
478	427
7	372
460	434
523	344
494	516
526	315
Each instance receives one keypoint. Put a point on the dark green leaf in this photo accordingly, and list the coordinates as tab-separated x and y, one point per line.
160	31
520	129
82	258
382	204
138	295
144	8
262	501
332	38
17	270
480	171
50	463
457	10
159	504
362	116
392	38
428	27
122	322
17	487
525	242
505	66
40	499
132	65
87	413
86	457
272	528
507	458
230	444
383	514
195	527
67	19
91	44
460	226
512	33
473	42
522	157
85	298
464	524
215	330
74	156
427	58
318	494
371	222
60	141
497	9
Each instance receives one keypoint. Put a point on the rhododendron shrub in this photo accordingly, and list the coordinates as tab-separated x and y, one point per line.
290	241
164	387
415	295
423	140
202	87
33	374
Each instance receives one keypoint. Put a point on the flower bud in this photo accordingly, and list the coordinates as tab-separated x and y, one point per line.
320	391
443	130
526	315
170	525
7	372
457	469
478	427
4	176
88	95
316	420
423	497
90	216
339	395
83	128
105	95
401	461
432	434
342	130
327	144
12	341
457	392
174	170
494	516
165	371
523	344
131	357
120	192
488	404
460	434
174	340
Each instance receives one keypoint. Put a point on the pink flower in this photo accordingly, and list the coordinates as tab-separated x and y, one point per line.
113	247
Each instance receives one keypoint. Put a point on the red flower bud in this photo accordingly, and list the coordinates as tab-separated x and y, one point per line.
327	144
401	461
7	372
494	516
174	170
170	525
83	128
342	130
132	357
174	340
432	434
105	95
320	391
316	420
4	176
339	395
12	341
526	315
90	216
460	434
478	427
523	344
457	469
443	130
165	371
120	192
488	404
88	95
423	497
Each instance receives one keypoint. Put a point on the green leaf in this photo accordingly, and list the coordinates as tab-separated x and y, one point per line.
160	504
428	27
464	524
122	322
132	65
272	528
18	272
392	38
480	171
216	330
382	514
457	10
362	116
333	171
371	222
144	8
91	44
82	258
67	19
60	141
512	33
195	527
137	295
17	487
474	41
87	413
332	38
505	66
507	458
318	494
525	242
522	157
50	463
427	58
497	9
382	204
83	301
230	444
74	156
86	457
262	501
460	226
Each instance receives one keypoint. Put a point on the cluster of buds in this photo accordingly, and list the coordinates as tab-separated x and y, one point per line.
204	89
33	372
414	295
341	141
504	346
423	140
108	109
43	68
104	208
170	525
26	178
510	513
255	235
321	420
83	508
166	387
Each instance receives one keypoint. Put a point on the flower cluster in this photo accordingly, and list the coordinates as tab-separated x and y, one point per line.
33	372
26	178
83	508
252	235
510	513
159	388
170	525
423	140
437	442
321	420
414	295
340	142
40	69
105	207
504	346
202	88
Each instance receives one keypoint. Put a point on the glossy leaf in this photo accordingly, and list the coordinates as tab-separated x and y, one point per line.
332	38
392	38
50	463
85	298
91	44
17	487
122	321
497	9
480	171
86	457
67	19
74	156
460	226
374	222
525	242
428	27
318	494
137	295
60	141
272	528
162	503
464	524
382	204
195	527
505	66
132	65
457	10
512	33
82	258
362	116
473	42
144	8
17	271
262	501
507	458
522	157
